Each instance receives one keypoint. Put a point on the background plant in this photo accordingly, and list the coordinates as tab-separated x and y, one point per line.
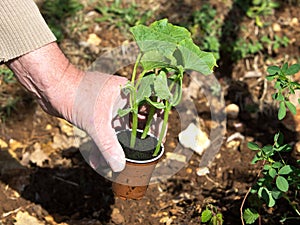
56	12
211	215
122	15
278	175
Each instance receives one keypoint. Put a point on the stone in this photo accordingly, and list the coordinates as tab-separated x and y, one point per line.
194	138
232	111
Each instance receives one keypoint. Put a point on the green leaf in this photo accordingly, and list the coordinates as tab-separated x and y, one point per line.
206	215
281	111
272	172
145	88
195	59
277	165
253	146
158	105
272	70
123	112
284	68
282	184
293	69
161	87
291	107
287	169
250	215
276	193
270	77
278	138
266	195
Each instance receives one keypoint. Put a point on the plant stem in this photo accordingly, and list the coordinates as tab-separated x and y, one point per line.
148	123
134	105
164	127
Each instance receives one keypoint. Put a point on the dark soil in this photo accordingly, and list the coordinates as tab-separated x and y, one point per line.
63	189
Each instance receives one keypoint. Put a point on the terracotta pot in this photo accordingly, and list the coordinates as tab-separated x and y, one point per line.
132	182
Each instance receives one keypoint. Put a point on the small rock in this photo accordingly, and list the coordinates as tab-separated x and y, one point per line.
202	171
116	216
93	39
276	27
176	156
232	111
38	156
23	218
294	22
194	138
3	144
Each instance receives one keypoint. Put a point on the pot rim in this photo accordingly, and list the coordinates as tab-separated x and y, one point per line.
148	160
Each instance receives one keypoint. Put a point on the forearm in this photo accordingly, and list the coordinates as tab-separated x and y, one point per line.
49	75
22	29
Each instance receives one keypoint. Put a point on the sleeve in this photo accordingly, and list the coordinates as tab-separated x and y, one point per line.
22	29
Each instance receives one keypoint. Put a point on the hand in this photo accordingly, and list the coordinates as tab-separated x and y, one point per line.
86	99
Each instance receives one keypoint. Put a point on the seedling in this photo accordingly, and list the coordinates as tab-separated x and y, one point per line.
212	216
166	53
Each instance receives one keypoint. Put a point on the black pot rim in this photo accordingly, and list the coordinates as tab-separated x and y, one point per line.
162	150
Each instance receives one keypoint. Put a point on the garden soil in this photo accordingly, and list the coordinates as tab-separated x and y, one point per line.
45	180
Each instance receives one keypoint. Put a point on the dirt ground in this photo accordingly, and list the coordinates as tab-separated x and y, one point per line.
45	180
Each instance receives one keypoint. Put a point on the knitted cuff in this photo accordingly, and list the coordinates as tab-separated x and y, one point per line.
22	29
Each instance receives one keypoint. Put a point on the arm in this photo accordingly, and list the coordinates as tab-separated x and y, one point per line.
85	99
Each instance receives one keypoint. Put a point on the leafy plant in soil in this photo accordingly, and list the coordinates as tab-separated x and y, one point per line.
166	53
278	176
212	216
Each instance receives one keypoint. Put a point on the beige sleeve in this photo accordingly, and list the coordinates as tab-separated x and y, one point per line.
22	29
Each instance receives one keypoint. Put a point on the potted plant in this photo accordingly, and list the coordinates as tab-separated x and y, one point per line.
166	52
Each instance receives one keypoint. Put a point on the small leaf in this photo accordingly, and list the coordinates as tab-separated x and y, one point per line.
287	169
281	111
272	172
123	112
293	69
206	215
276	193
145	88
161	87
282	184
250	215
277	165
278	139
291	107
158	105
272	70
270	77
253	146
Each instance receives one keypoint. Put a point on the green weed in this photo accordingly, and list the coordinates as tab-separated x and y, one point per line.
121	15
56	12
207	29
212	216
277	176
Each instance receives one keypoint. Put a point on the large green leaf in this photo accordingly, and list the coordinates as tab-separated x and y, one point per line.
195	59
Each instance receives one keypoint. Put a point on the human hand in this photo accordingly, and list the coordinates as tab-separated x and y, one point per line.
86	99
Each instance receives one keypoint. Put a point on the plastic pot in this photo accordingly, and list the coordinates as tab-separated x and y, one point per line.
133	181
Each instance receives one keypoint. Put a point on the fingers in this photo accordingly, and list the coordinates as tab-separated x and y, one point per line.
108	100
